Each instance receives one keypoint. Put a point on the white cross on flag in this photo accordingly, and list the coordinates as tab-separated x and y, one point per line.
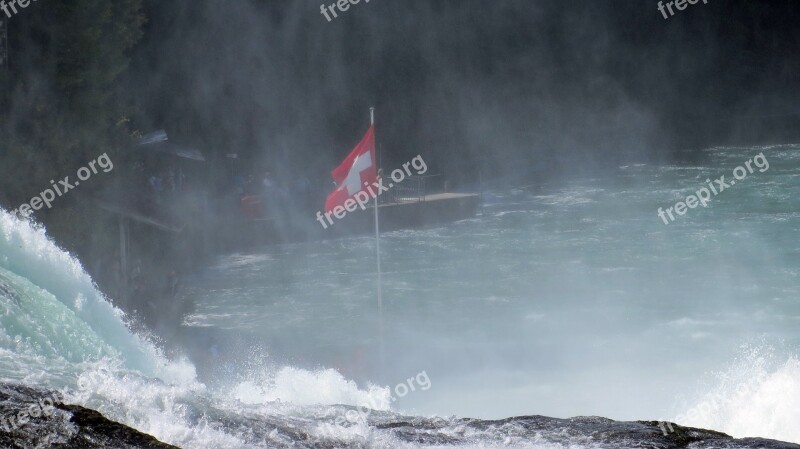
358	168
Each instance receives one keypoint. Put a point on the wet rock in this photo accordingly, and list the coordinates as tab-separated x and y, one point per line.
32	418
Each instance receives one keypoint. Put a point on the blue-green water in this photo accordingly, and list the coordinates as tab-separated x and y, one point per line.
561	299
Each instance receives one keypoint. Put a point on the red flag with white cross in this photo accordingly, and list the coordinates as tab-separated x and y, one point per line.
358	170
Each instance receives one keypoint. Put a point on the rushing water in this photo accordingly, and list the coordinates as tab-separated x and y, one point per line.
562	300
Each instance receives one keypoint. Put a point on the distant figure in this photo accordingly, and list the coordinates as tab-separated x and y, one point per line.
302	188
238	184
250	186
155	185
269	184
171	289
136	271
252	207
170	177
180	179
272	203
302	185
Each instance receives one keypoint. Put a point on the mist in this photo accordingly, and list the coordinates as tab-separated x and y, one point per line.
519	89
191	289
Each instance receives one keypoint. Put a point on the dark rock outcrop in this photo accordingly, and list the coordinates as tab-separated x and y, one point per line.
37	418
31	418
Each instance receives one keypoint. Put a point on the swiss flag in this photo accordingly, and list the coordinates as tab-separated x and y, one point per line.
358	167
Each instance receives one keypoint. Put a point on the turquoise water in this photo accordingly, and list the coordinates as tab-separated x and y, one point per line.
562	300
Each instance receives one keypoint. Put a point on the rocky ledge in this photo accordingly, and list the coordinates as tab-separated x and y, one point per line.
38	418
31	418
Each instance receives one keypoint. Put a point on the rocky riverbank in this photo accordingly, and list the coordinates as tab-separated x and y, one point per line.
29	420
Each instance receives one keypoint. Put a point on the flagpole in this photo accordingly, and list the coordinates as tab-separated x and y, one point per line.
378	256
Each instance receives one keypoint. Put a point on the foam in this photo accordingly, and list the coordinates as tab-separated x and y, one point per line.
757	396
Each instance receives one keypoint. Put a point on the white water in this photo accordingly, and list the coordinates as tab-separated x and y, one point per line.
57	331
563	300
759	394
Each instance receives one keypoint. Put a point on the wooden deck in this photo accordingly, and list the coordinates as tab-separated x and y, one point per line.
431	198
415	212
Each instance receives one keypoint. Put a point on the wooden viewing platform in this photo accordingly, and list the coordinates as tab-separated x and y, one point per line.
414	212
410	212
433	197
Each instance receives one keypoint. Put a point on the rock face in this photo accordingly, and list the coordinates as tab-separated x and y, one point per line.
32	418
592	432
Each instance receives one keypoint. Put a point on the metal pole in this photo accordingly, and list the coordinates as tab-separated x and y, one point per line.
378	257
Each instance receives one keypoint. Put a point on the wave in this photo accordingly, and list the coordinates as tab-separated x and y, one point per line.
57	331
757	396
62	314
